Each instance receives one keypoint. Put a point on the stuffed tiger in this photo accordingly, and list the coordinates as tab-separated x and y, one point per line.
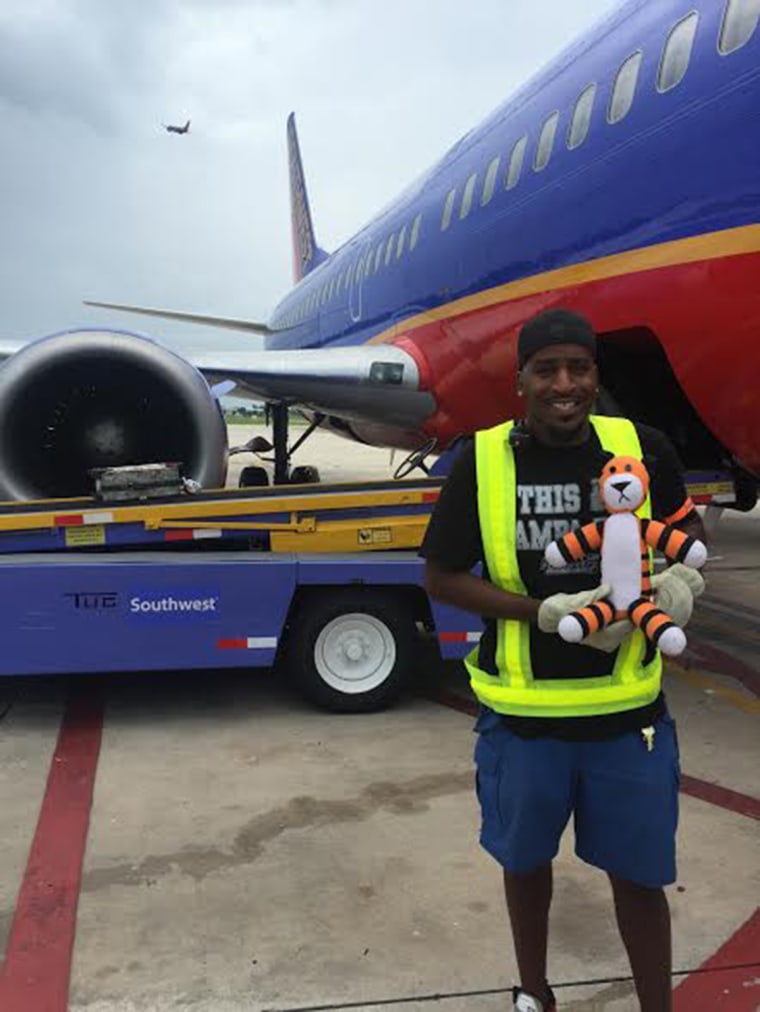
624	540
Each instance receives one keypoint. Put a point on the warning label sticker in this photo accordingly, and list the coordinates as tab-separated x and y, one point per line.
375	536
92	534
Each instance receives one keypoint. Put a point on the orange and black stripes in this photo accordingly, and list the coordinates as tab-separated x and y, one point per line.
576	545
668	540
652	620
595	617
681	514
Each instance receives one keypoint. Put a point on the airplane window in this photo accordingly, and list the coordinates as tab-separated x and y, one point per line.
489	183
624	89
389	249
546	142
414	237
677	53
516	162
448	208
469	189
739	23
581	121
401	242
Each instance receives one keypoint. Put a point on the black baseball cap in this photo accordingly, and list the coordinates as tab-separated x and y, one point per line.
555	326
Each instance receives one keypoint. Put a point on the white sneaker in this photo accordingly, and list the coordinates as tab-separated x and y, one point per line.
524	1002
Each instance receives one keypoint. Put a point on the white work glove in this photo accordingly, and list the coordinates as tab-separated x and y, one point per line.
675	590
611	637
554	608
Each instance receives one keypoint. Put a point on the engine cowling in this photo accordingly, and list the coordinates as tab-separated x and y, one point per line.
97	398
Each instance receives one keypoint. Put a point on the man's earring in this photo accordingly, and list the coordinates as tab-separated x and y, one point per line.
519	393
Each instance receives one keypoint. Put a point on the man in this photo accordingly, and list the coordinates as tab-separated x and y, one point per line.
551	743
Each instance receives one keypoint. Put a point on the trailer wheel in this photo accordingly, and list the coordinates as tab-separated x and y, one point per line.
253	477
351	652
304	474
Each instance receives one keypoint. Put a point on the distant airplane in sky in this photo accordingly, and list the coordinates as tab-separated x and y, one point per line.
172	129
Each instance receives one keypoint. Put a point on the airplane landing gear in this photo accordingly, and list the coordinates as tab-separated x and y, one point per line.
282	474
280	417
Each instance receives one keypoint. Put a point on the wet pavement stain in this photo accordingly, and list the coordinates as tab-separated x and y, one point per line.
409	798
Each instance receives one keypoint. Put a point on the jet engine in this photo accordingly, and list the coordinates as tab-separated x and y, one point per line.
95	398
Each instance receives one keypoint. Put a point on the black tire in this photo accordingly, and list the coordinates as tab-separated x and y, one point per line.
323	630
304	474
253	477
745	490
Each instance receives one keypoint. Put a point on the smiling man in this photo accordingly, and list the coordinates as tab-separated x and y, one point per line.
564	729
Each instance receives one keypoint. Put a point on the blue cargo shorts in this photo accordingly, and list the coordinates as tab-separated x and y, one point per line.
623	799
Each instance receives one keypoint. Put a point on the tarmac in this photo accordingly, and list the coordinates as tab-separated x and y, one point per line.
244	852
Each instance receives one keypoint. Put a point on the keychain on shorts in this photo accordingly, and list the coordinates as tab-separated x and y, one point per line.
647	733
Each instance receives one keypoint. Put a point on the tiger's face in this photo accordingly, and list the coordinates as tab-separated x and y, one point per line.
624	485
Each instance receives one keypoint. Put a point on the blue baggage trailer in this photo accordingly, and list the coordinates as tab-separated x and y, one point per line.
229	579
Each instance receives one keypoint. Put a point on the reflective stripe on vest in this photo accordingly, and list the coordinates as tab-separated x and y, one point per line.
514	690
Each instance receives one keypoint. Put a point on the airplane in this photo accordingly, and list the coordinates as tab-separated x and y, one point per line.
171	129
620	182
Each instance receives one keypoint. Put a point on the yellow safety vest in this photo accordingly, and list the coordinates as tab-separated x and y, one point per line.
514	690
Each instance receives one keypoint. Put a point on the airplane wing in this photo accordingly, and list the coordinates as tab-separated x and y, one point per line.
225	323
370	383
377	383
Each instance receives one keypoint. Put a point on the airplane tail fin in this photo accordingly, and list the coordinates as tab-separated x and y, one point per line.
306	254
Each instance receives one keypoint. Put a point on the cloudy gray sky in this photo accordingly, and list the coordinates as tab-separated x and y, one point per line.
98	201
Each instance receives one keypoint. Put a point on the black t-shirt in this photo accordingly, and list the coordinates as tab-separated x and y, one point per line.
557	489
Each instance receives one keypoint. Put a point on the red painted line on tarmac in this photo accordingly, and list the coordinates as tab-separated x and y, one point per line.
454	702
713	794
719	983
709	656
36	972
723	797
